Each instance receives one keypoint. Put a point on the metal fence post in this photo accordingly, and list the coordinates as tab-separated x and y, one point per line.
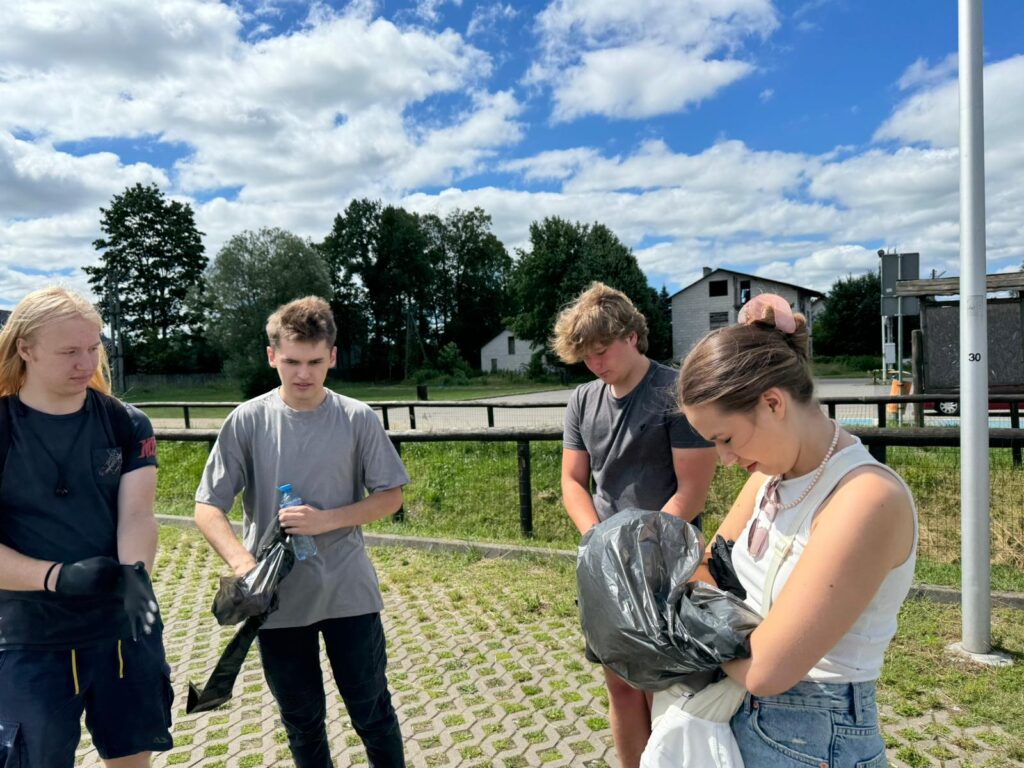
188	422
1015	424
490	415
384	417
399	516
878	451
525	492
412	417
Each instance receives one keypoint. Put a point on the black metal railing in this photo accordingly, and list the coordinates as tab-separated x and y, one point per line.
877	440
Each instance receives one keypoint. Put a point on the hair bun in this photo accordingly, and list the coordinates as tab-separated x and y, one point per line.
768	309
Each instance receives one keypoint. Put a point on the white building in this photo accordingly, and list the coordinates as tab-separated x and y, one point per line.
716	298
506	353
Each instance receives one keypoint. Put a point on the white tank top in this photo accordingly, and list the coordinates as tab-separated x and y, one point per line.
857	657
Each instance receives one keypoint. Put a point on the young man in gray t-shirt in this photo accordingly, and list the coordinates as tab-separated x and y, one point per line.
339	460
624	429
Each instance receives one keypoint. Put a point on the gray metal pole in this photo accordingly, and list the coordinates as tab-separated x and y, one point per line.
974	468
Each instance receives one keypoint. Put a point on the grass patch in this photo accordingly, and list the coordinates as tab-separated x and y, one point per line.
470	491
933	475
920	675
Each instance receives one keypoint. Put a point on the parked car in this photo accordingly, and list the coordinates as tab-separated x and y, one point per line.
952	407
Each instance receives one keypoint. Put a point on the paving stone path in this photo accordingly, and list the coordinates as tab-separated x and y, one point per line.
476	682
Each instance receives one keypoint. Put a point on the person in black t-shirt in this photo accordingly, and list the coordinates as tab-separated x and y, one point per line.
624	430
79	623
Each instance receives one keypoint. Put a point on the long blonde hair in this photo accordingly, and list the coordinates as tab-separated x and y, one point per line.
39	308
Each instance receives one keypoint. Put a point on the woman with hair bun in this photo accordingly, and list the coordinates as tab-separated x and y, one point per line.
826	541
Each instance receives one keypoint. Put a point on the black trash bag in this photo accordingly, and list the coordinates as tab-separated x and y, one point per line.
640	616
234	602
722	570
218	688
255	593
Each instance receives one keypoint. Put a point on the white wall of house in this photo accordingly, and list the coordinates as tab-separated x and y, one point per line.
695	310
505	353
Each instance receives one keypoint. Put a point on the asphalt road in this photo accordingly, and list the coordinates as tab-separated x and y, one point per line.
432	417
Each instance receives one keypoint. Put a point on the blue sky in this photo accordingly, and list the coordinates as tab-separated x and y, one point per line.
788	139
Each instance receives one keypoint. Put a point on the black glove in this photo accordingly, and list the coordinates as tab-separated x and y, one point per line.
92	576
721	568
139	600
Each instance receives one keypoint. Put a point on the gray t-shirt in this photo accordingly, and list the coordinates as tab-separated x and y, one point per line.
630	440
332	456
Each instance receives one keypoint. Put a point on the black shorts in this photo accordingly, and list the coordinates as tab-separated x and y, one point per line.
123	687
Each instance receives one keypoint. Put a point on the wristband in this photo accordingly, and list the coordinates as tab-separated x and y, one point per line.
46	578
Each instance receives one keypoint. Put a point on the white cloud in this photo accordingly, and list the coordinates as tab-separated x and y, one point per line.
301	122
920	73
605	82
35	179
798	218
428	10
552	165
643	58
347	104
728	166
41	251
932	117
489	18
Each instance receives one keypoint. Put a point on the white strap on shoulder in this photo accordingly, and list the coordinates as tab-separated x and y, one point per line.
839	467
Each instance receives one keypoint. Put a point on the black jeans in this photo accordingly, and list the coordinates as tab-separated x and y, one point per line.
355	648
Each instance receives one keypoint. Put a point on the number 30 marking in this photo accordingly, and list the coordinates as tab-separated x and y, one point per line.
974	357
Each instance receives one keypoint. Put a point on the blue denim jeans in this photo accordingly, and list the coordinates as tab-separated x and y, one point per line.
356	650
824	725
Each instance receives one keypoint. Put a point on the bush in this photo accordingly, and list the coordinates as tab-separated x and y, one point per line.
536	370
255	381
426	376
451	362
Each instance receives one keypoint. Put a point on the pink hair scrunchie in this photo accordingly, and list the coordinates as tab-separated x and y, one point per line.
771	309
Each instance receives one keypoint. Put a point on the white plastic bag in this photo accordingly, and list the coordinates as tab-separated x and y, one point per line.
691	730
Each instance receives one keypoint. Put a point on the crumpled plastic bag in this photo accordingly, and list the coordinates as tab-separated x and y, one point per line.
255	593
691	727
250	598
638	613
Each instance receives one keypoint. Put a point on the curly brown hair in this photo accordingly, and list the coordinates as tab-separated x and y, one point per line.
597	317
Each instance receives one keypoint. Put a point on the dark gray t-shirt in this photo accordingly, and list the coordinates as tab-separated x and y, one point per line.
630	440
332	456
82	523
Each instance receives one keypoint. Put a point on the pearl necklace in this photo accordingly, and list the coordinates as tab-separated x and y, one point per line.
774	482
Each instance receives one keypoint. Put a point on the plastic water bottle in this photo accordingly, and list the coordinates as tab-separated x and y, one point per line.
303	546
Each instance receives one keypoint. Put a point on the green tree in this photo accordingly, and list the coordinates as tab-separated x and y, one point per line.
471	271
850	323
150	277
379	267
252	275
660	326
350	250
565	258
